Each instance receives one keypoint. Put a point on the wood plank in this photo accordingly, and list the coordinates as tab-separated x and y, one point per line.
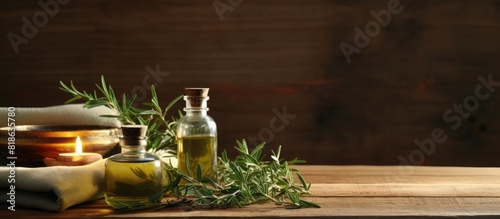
348	191
339	207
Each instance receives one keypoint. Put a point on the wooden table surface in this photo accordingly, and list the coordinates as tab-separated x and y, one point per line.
349	191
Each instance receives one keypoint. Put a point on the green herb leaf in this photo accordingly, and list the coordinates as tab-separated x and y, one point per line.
247	180
161	132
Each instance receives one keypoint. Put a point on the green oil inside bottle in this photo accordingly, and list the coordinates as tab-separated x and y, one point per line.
201	150
133	185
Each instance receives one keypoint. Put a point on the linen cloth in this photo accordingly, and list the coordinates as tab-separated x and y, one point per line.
54	188
60	187
70	114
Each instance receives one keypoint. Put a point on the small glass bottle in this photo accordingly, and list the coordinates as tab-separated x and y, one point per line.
197	136
133	177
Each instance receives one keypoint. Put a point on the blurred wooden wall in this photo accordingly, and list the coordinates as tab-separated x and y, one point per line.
268	55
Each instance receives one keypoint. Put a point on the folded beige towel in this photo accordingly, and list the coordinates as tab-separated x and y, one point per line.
54	188
71	114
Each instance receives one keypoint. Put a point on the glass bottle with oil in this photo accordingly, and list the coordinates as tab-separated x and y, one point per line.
197	136
133	177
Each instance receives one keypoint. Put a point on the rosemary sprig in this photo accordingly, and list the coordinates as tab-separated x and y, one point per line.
246	180
161	132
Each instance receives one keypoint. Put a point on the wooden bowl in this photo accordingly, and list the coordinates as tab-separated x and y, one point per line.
34	142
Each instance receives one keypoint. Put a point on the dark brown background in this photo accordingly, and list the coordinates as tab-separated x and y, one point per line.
271	54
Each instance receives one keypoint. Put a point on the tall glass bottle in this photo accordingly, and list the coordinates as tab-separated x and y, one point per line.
133	177
197	136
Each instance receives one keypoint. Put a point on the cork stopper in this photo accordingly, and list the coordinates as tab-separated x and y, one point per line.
133	135
196	92
134	130
196	97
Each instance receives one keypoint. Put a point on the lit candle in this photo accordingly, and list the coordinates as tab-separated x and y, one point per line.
73	159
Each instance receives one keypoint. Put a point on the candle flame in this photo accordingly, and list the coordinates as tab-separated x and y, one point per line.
78	147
